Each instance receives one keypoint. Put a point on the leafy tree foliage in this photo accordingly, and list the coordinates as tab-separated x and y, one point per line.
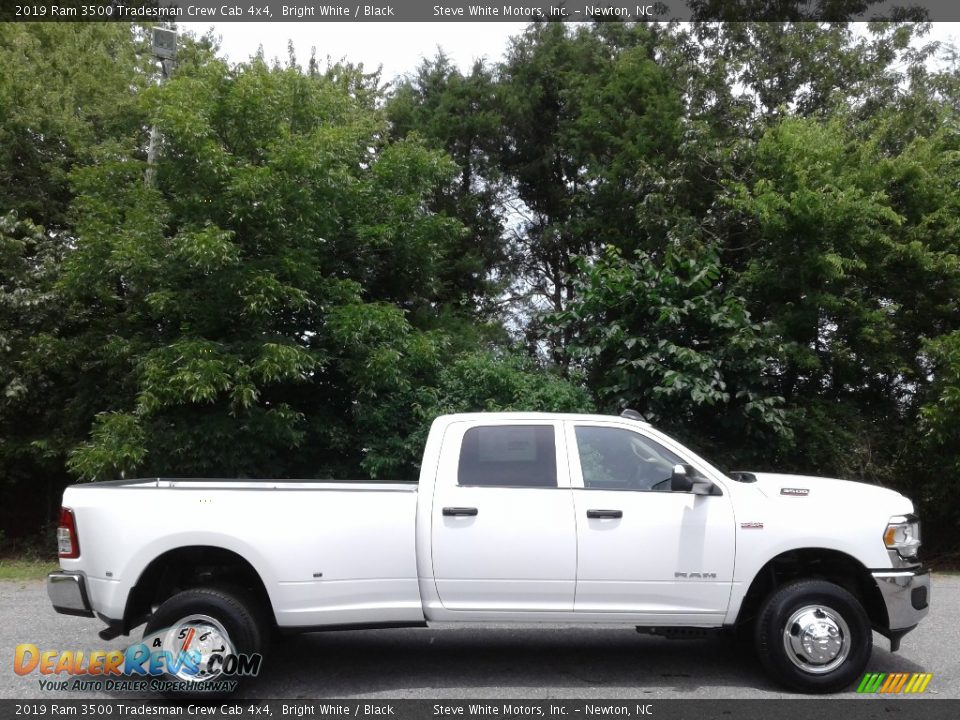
283	238
556	144
750	231
478	381
665	336
587	114
457	113
64	89
941	428
34	429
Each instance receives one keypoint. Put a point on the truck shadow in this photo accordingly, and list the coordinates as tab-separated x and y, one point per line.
522	661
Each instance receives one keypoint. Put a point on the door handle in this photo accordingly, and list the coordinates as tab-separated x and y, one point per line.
455	511
604	513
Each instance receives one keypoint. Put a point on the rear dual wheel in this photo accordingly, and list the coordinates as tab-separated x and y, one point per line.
216	626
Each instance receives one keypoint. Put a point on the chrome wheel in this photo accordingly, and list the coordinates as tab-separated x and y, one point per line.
203	637
817	639
201	634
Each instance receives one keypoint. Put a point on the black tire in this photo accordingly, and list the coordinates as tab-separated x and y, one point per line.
833	608
740	638
237	613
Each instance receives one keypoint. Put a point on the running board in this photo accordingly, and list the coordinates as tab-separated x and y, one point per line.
679	633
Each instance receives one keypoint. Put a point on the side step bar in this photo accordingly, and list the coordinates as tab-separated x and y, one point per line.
679	633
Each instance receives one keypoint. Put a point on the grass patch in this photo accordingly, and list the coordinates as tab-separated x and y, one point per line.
19	570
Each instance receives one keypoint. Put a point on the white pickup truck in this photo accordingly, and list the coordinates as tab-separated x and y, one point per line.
517	517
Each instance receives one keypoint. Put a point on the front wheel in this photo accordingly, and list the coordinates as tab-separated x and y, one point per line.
209	639
813	636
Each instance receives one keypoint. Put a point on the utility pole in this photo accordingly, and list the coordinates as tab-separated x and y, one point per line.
165	50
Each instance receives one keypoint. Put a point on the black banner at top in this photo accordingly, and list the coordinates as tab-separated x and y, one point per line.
476	10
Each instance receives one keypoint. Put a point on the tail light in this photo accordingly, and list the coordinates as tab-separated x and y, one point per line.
68	544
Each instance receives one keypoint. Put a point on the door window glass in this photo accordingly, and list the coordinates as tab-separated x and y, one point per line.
508	456
618	459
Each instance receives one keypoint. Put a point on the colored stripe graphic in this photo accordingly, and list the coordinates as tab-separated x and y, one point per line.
894	683
871	682
891	680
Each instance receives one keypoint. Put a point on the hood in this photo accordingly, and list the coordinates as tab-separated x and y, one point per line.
798	488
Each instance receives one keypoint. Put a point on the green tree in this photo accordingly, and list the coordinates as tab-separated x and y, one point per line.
472	381
459	114
717	216
938	460
589	116
809	68
226	302
35	387
665	336
867	235
65	88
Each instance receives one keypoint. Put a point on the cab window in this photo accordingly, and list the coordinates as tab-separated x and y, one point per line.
618	459
508	456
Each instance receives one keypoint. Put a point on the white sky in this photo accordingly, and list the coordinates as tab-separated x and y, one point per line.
397	46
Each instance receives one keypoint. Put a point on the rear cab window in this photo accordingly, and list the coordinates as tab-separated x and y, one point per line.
508	456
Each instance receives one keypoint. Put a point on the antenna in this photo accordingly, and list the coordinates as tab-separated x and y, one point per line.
631	414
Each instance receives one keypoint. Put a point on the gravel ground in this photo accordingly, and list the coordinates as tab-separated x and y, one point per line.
499	661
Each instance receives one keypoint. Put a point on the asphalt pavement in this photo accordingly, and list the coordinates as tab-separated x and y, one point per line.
491	662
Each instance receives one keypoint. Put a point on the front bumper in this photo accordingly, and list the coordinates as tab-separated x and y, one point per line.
68	593
906	594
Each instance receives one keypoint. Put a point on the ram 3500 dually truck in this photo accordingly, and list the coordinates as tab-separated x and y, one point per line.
517	517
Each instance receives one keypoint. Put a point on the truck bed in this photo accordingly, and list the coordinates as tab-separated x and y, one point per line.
329	552
254	484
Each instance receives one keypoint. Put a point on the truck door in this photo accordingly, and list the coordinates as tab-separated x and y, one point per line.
643	549
503	533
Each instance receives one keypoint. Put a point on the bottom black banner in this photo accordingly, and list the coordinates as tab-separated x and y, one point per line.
847	709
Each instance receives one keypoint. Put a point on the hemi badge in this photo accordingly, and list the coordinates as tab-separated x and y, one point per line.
752	526
796	492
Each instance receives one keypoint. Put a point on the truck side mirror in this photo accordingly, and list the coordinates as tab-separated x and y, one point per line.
681	480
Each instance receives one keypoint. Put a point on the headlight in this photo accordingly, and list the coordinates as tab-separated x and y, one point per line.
903	535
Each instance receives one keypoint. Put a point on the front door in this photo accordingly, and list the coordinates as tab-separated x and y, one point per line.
641	548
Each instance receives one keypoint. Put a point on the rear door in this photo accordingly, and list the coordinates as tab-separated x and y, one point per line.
503	531
643	549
